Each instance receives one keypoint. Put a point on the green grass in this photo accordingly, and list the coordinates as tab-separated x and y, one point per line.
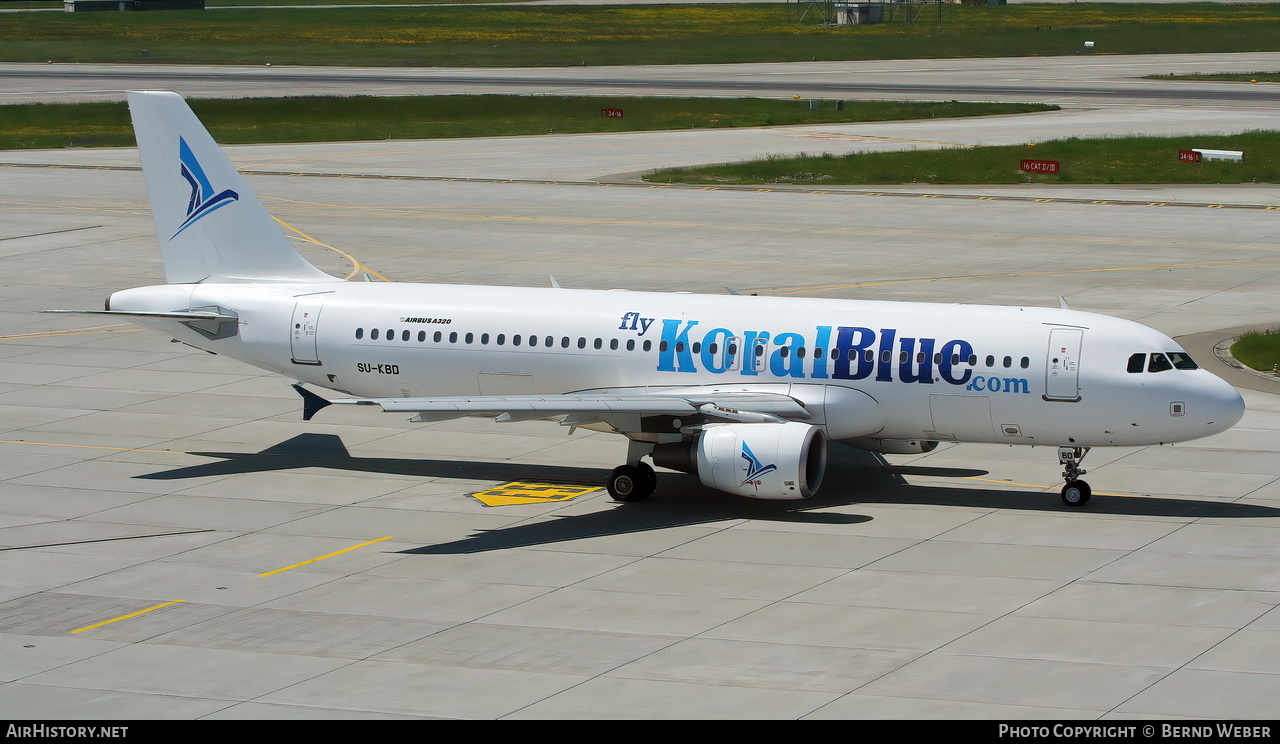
643	34
58	4
237	3
311	119
1226	77
1083	160
1261	351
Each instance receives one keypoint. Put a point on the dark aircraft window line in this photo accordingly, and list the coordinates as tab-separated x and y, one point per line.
500	339
1174	360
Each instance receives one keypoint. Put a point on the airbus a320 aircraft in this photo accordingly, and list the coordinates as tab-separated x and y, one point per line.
742	391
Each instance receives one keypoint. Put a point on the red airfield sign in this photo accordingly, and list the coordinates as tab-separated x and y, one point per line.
1040	166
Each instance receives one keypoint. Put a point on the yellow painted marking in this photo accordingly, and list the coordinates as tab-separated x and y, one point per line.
91	330
126	617
1044	201
1214	206
89	446
531	492
1157	204
357	266
330	555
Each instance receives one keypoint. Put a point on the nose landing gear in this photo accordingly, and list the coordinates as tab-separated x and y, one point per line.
1076	493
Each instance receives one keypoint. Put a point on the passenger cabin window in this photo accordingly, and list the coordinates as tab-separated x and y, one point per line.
1137	363
359	333
1159	363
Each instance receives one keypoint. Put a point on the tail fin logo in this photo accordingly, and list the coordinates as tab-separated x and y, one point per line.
755	469
203	199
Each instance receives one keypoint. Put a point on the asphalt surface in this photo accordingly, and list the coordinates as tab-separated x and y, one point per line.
1106	80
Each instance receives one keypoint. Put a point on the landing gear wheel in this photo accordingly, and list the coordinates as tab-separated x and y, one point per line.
1076	493
631	483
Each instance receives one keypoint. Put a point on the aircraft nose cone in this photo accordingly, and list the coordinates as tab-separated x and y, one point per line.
1220	405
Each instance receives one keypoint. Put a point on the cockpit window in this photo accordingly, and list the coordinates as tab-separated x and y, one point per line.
1137	363
1159	363
1182	360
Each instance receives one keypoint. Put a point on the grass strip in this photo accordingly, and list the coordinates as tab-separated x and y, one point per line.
524	36
328	118
1082	160
1258	350
1226	77
59	4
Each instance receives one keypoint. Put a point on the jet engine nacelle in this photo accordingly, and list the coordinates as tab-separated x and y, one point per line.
761	461
894	446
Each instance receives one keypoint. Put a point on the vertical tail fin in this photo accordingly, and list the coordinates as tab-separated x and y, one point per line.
210	225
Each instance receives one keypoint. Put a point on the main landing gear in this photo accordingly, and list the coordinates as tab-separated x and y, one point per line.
1076	492
632	482
635	480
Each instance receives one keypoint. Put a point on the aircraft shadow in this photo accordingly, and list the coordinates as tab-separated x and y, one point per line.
854	477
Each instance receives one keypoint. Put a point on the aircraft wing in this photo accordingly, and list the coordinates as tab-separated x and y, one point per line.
728	406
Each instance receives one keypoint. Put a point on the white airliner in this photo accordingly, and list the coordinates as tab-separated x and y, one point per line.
742	391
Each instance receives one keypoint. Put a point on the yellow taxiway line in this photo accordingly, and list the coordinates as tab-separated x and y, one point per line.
126	617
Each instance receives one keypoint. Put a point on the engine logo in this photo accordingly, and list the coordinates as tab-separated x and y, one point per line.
754	467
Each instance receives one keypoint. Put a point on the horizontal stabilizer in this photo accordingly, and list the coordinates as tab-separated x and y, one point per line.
213	323
172	315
